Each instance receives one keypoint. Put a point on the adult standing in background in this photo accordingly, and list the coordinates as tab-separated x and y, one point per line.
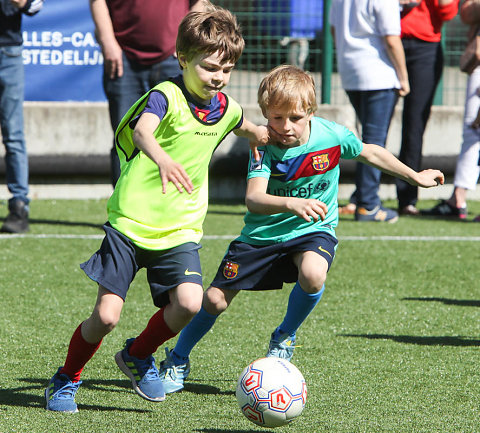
12	87
421	35
467	170
371	63
137	38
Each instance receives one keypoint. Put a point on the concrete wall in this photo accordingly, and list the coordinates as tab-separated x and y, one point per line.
83	129
70	142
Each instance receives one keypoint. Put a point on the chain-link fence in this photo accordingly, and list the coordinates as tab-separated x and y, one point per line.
292	31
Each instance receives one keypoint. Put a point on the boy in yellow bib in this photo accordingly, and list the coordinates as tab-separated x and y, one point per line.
156	212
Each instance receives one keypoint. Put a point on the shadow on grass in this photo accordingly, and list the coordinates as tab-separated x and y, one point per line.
216	430
421	341
32	394
66	223
447	301
198	388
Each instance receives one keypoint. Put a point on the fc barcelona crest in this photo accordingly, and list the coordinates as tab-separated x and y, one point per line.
320	162
230	270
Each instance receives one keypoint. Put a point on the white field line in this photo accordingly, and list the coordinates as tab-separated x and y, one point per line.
4	237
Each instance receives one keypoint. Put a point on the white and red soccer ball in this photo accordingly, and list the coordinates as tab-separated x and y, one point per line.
271	392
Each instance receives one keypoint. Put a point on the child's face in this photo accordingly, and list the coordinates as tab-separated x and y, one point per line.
291	126
205	75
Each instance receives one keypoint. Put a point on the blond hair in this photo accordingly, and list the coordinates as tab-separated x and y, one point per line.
289	86
215	29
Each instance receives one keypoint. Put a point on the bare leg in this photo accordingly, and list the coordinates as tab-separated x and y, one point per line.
104	317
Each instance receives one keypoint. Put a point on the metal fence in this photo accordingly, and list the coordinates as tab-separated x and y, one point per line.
292	31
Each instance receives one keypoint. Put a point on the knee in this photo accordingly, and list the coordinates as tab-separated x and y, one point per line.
109	322
313	281
189	306
214	302
103	321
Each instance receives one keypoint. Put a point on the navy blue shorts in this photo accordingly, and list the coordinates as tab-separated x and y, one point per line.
118	260
267	267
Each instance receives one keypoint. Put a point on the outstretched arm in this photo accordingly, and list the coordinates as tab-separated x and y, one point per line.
257	135
170	171
380	158
258	201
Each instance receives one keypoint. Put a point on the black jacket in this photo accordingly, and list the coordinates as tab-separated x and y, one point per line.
11	20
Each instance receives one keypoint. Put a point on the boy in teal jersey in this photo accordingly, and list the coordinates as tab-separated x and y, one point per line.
156	211
289	232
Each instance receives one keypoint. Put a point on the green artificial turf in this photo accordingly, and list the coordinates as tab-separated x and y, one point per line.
392	347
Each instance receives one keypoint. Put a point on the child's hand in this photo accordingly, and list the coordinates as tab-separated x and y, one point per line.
261	139
308	208
429	178
171	171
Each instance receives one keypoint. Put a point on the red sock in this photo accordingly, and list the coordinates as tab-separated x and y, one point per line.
79	353
156	333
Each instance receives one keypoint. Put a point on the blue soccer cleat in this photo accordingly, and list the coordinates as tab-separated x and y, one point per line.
281	346
60	393
173	376
142	373
378	214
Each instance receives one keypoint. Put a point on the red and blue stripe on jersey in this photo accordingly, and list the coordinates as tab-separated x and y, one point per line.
306	165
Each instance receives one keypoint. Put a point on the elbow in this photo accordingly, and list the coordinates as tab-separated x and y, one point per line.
137	137
392	42
249	203
252	203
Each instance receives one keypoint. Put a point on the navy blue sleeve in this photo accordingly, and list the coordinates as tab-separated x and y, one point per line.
156	104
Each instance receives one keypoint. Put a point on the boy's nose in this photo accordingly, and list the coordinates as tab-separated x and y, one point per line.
285	125
218	76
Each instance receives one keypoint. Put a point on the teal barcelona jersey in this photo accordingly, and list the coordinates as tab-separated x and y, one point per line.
137	207
308	171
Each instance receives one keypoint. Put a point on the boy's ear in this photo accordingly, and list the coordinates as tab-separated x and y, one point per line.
182	59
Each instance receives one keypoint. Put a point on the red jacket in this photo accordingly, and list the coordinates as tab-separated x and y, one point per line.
425	20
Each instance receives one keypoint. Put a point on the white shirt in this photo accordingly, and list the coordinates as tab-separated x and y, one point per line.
362	58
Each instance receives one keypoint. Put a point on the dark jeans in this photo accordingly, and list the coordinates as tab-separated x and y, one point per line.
424	65
374	110
124	91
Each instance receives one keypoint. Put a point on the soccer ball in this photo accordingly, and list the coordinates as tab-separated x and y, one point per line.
271	392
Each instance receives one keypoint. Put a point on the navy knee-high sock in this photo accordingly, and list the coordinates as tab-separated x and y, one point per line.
300	304
192	334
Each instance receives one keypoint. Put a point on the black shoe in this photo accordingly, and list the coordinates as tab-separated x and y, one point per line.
17	218
445	209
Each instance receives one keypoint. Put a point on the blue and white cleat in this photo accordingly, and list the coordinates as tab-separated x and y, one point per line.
173	376
378	214
142	373
281	346
60	393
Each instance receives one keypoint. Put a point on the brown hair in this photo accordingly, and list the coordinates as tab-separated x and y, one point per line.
290	86
207	32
